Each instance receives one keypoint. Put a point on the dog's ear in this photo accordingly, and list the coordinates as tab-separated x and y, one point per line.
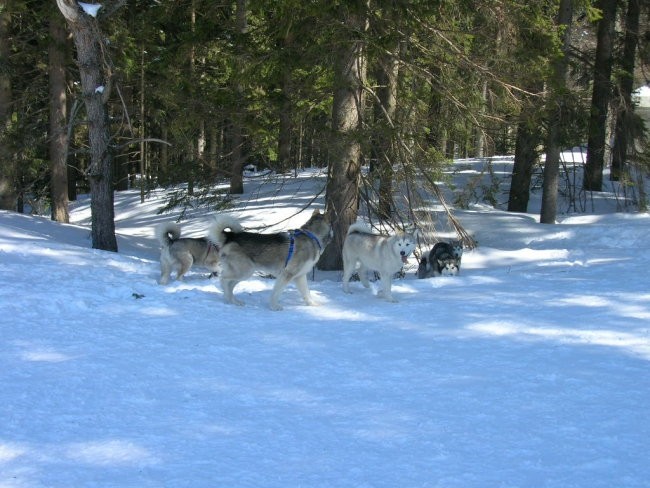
315	212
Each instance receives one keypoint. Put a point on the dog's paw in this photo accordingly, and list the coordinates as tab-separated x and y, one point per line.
276	307
387	296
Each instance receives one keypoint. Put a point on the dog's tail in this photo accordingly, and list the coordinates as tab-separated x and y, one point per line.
167	233
221	223
359	227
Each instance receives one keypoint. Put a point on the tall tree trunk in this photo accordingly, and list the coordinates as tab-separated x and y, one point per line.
522	171
8	194
342	192
601	95
479	140
385	109
238	154
558	88
58	113
286	109
95	88
144	169
625	111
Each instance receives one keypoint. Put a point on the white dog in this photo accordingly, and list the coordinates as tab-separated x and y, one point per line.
375	252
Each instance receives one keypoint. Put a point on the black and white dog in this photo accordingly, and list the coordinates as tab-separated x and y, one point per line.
443	260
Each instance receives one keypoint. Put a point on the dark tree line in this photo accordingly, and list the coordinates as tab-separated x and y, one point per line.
155	93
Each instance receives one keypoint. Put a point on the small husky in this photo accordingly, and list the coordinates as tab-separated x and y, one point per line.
288	256
181	253
375	252
443	260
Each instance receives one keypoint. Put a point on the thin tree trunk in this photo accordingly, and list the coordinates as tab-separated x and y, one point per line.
144	170
385	111
95	87
601	95
7	162
342	193
479	141
58	128
238	156
522	171
558	87
624	113
286	111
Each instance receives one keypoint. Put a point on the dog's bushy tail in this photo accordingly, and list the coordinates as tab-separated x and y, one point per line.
359	227
221	223
167	233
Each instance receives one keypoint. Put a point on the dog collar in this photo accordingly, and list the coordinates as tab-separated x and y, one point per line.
292	242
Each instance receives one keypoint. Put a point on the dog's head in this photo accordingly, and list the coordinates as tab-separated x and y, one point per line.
405	244
320	224
448	267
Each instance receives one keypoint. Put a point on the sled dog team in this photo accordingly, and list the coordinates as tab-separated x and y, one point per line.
289	256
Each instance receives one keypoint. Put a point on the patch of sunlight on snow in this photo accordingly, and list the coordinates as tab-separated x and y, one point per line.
635	344
159	312
8	452
45	356
342	314
625	310
109	452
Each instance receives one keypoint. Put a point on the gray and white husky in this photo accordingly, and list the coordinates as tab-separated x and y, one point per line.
443	260
288	256
375	252
179	254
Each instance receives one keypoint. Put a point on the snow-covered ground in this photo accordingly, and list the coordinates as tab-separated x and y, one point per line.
530	369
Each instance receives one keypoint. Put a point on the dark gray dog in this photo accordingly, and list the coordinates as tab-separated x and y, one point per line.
443	260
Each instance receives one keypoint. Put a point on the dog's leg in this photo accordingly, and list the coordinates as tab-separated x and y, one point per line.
363	276
164	274
280	284
347	274
228	287
386	283
185	265
303	288
165	271
348	269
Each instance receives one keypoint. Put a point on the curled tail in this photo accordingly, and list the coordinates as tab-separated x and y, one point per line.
359	227
167	233
221	223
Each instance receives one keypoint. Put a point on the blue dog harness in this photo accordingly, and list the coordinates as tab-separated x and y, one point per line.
292	235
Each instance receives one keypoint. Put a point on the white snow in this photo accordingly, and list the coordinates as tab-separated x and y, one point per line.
530	369
90	8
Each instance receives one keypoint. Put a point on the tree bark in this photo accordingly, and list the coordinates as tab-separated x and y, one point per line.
625	110
558	87
522	171
238	155
385	110
286	108
58	114
95	88
596	143
8	196
342	192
